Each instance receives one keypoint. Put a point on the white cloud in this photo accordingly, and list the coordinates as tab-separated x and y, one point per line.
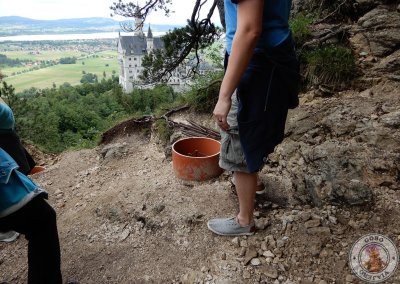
61	9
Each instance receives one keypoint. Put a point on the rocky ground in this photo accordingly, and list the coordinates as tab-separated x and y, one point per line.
124	218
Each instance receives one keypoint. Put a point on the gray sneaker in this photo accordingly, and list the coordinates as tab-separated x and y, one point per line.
9	236
230	227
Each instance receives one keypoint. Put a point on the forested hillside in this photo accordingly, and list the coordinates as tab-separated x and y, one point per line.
65	117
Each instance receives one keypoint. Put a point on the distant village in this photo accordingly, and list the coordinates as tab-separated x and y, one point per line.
83	47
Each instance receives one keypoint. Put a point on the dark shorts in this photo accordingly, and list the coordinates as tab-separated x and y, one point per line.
267	89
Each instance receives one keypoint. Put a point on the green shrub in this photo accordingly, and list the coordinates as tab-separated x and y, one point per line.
89	78
300	26
331	65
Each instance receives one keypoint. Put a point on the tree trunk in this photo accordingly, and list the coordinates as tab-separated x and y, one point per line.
221	10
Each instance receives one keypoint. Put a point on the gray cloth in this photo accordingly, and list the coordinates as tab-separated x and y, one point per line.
232	156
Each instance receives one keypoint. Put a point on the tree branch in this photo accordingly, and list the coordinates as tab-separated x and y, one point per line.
131	10
324	37
159	65
331	14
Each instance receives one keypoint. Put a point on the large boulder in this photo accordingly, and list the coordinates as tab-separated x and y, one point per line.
377	32
363	6
339	150
113	151
388	66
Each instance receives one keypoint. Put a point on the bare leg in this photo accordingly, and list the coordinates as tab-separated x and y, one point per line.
260	186
246	186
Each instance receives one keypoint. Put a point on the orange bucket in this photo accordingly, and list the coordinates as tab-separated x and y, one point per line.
36	170
196	158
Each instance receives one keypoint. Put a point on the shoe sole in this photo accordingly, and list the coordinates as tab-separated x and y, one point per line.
260	192
10	239
231	235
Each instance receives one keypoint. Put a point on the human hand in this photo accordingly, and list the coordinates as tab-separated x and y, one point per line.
221	111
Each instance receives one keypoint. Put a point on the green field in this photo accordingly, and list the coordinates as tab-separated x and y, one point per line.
61	73
9	70
43	55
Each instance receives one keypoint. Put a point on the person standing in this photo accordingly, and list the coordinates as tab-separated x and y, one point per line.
258	88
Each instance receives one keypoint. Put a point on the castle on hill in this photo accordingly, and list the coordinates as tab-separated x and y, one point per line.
131	51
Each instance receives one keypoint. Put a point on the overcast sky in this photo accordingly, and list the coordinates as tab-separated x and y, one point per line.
62	9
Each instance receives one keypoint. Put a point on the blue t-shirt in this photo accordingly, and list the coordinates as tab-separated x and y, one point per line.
275	23
6	117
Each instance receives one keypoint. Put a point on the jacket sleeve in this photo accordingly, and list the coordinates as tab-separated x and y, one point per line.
7	166
6	117
10	142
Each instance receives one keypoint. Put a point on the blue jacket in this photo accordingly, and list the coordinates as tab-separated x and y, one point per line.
16	189
6	117
10	141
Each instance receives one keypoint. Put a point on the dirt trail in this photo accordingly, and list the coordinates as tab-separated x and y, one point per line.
124	218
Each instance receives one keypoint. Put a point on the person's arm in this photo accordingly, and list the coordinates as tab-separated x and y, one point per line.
249	27
2	101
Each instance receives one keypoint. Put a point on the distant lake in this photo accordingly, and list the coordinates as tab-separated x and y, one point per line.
67	36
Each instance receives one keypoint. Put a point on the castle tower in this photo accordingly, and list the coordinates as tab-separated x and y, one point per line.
150	40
